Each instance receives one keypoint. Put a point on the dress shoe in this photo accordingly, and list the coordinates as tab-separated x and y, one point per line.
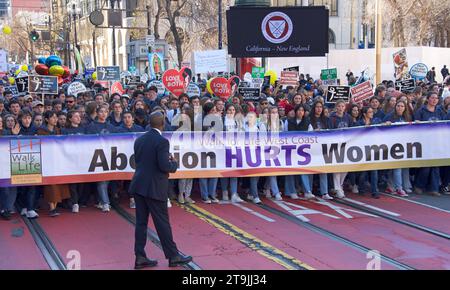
142	262
179	260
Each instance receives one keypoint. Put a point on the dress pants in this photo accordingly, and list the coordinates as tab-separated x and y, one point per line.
160	216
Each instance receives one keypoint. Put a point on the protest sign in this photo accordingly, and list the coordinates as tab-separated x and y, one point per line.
362	92
159	85
289	78
401	66
22	85
210	61
43	85
116	88
419	71
250	94
75	88
337	93
13	90
193	90
108	73
258	72
405	86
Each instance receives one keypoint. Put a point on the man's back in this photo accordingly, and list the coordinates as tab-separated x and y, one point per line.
152	166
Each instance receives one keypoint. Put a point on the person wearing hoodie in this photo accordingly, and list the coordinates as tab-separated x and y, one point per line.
319	121
230	125
115	118
376	107
53	194
428	177
26	194
101	127
301	123
77	190
400	114
338	120
367	119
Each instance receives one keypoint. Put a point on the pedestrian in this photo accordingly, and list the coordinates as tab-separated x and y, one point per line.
150	186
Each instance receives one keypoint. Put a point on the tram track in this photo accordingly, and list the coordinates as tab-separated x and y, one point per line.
151	235
393	218
48	250
334	236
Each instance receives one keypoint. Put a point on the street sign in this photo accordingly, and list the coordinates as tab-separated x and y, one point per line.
405	86
329	74
43	85
250	94
336	93
150	41
108	73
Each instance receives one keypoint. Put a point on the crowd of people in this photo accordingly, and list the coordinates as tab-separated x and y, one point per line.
300	108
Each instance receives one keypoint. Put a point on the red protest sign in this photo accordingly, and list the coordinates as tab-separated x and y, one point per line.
221	87
289	78
362	92
117	88
174	81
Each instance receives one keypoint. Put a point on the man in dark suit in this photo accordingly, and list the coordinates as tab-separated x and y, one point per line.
150	187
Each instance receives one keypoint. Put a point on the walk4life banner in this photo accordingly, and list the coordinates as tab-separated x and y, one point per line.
277	31
89	158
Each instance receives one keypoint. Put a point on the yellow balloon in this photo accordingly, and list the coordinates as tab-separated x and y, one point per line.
7	30
94	76
24	67
56	70
208	86
273	76
12	81
18	71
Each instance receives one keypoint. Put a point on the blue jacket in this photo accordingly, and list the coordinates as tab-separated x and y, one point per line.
30	131
424	115
393	118
100	128
80	130
340	122
379	114
113	121
374	121
134	128
448	116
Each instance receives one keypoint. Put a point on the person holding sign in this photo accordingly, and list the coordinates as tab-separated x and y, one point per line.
339	119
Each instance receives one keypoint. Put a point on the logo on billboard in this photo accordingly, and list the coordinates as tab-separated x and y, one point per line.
277	27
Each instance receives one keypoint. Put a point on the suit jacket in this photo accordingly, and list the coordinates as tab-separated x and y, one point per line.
151	179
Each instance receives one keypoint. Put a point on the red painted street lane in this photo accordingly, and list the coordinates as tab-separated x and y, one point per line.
425	216
211	248
104	240
312	248
402	243
18	250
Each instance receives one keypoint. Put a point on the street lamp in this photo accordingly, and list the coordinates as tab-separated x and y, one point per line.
74	11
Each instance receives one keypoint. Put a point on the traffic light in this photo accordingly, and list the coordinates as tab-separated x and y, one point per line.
34	36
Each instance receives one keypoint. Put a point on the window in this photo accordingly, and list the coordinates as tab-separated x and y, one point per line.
331	37
332	5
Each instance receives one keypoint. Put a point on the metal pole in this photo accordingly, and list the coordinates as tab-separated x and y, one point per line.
378	42
113	36
220	24
149	20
